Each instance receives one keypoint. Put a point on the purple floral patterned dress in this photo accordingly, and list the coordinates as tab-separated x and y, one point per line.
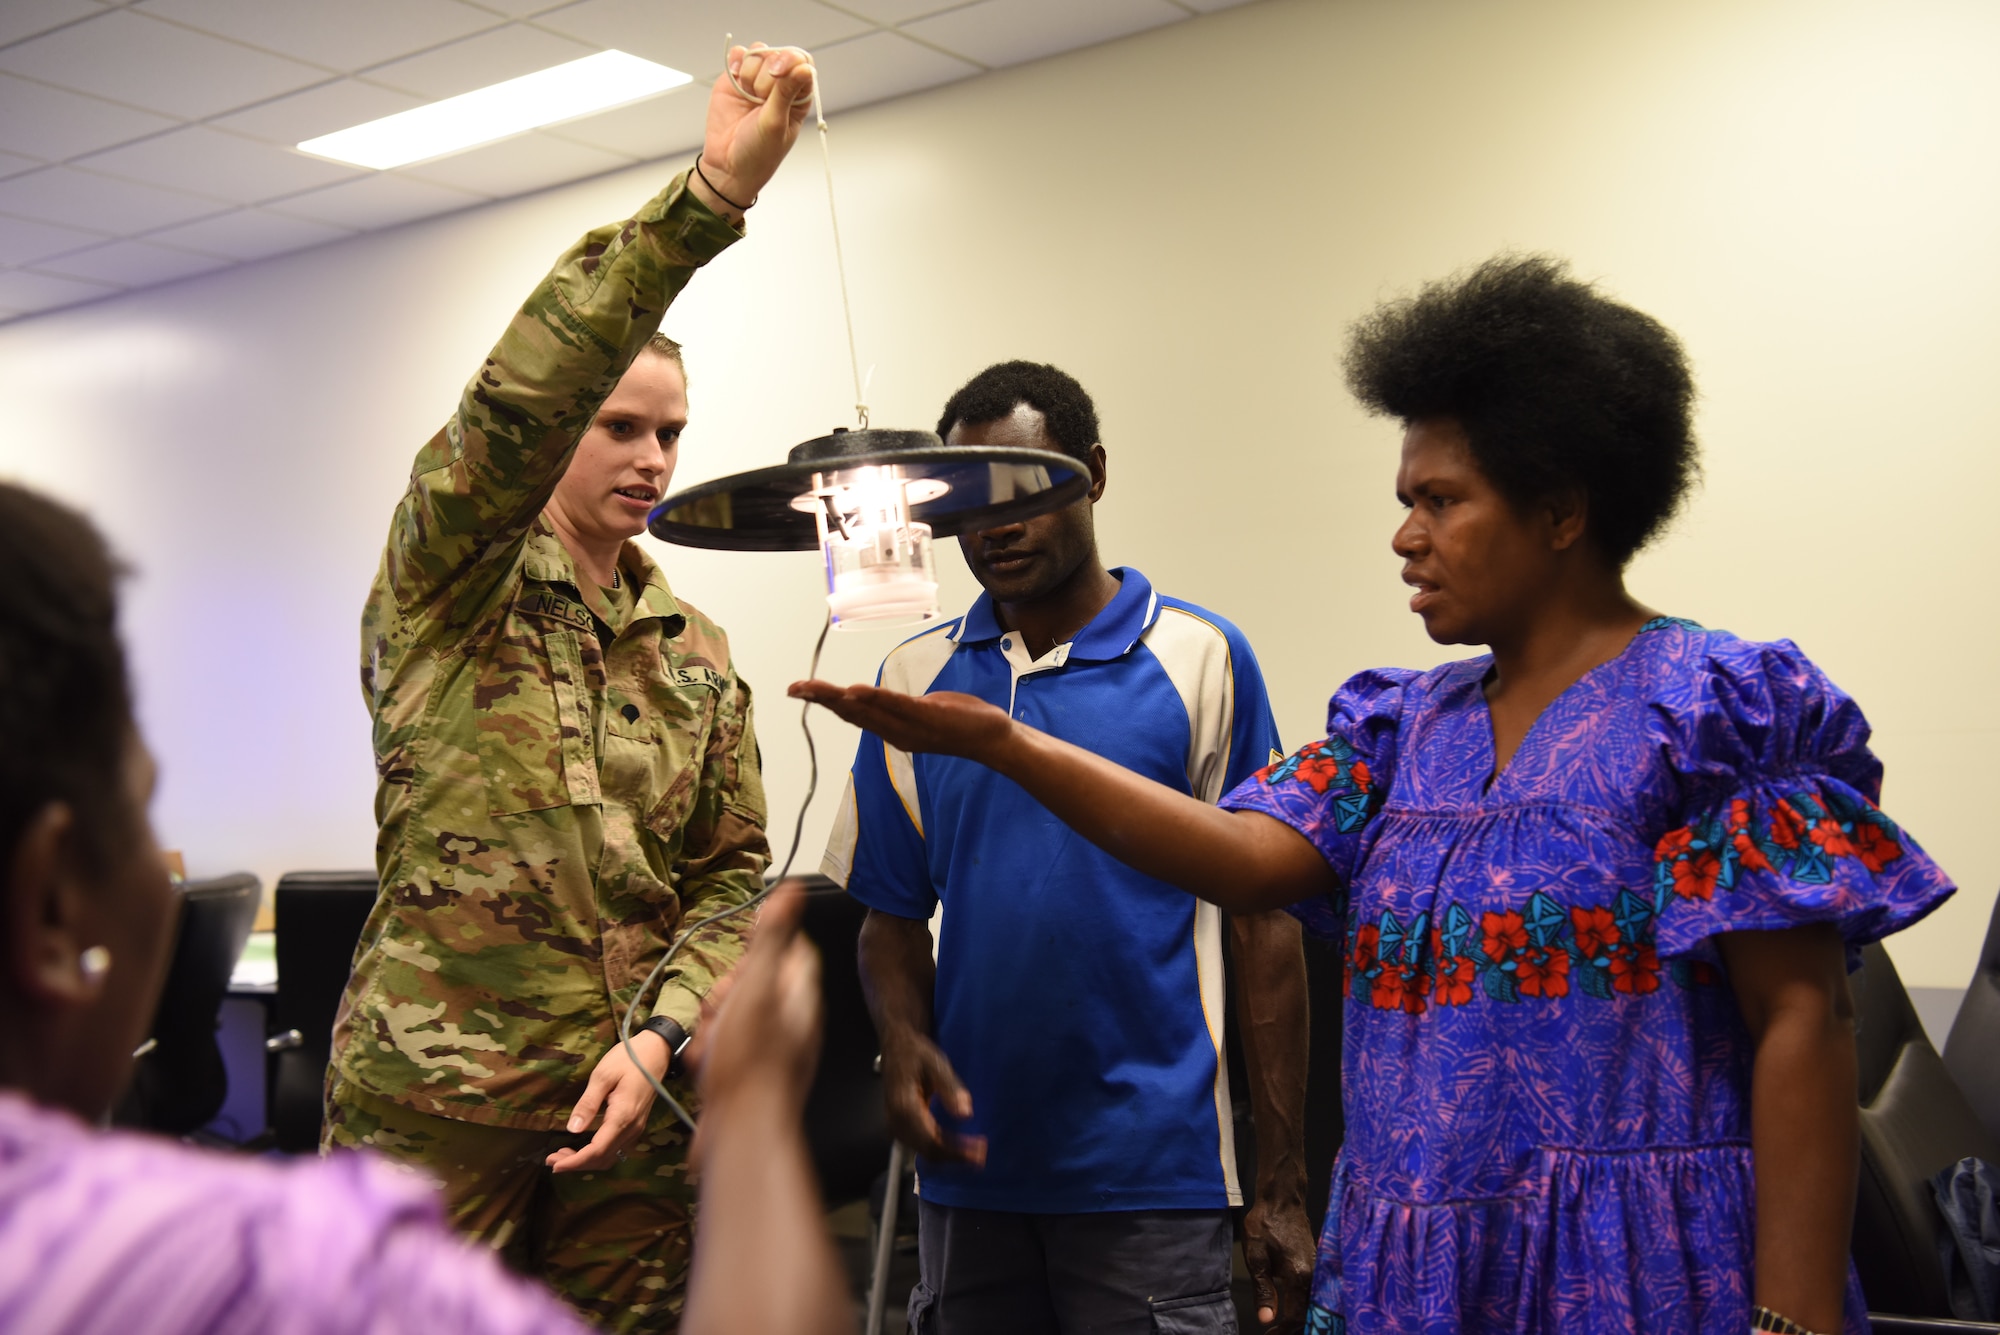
1547	1082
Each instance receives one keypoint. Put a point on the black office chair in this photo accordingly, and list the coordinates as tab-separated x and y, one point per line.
179	1082
1914	1122
1972	1053
320	916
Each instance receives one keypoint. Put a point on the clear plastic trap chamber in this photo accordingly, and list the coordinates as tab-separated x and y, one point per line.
871	502
878	559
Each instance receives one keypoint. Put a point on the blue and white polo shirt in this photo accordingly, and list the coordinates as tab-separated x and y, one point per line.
1080	1001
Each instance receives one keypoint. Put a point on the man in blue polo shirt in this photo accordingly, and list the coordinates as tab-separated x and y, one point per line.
1059	1069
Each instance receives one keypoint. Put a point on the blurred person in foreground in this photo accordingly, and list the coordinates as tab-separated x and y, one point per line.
567	767
120	1232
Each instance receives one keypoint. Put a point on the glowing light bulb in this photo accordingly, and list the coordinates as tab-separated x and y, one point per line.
878	560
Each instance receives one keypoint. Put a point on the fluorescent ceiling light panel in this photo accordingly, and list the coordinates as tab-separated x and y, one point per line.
547	97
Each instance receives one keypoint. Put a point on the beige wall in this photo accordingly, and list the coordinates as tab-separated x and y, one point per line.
1806	190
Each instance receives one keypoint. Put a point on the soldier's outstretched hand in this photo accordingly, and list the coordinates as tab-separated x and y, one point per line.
748	137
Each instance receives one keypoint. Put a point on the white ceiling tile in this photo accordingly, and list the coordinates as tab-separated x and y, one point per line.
688	34
347	36
66	195
13	164
652	129
1007	32
380	200
54	123
149	63
504	53
250	234
25	18
213	162
24	242
900	11
131	264
883	65
317	111
518	165
23	292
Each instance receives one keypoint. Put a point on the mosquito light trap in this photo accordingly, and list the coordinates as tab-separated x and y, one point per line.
871	501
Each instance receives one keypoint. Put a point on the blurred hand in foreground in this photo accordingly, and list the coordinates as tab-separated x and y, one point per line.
760	1025
766	1262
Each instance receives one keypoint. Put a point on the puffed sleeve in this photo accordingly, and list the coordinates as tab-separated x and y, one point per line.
1330	791
1779	826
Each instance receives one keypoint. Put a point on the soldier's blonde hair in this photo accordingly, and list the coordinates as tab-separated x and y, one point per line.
666	347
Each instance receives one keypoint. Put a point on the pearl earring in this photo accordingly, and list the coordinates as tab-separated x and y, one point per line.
93	964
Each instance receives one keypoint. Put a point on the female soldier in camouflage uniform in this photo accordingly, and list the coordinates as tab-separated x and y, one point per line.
567	771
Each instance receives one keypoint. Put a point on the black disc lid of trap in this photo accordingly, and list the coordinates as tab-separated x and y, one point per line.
985	487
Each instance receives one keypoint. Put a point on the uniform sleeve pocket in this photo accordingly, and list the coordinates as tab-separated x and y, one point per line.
1202	1314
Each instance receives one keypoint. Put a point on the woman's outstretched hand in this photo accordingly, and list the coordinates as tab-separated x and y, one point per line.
946	723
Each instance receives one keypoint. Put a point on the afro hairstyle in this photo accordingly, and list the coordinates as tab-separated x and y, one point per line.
1560	390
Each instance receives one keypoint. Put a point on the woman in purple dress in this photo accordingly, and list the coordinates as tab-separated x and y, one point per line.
1598	888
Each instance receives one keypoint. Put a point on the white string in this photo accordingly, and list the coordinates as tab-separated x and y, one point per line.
833	216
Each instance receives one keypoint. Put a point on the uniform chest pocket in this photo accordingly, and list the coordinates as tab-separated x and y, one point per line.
534	737
654	761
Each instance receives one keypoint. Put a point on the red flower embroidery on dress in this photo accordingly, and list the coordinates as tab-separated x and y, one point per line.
1502	935
1416	986
1596	931
1635	969
1695	876
1876	847
1401	987
1543	973
1361	958
1787	825
1358	771
1747	853
1829	836
1454	980
1673	843
1320	771
1386	994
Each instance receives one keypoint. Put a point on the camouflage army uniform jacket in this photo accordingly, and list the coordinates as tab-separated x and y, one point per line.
555	801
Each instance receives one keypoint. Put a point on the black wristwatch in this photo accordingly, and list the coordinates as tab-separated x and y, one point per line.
675	1037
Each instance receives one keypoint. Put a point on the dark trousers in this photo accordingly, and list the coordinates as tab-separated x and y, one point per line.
1121	1272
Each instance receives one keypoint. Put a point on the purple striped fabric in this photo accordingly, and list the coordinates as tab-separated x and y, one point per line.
131	1235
